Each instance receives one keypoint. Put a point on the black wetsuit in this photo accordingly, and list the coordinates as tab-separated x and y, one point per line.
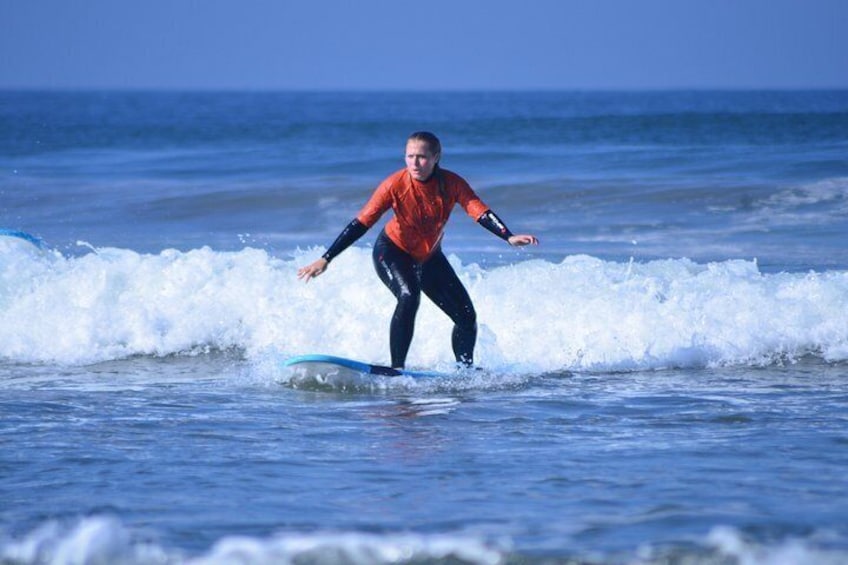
408	278
435	277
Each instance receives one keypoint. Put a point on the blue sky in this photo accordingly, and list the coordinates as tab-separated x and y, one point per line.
435	44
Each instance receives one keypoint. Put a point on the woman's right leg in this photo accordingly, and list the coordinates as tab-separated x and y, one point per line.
441	284
401	274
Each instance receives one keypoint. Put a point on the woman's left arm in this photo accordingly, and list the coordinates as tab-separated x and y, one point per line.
494	224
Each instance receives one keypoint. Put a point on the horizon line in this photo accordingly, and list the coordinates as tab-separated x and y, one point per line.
402	90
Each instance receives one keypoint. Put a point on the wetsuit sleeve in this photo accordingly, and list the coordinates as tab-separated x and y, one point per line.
379	202
377	205
491	222
469	200
348	237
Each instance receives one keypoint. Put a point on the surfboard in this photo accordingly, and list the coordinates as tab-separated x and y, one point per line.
317	359
37	241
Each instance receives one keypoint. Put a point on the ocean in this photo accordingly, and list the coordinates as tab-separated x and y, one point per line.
663	380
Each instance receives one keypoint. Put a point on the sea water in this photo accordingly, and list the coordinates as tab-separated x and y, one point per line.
664	379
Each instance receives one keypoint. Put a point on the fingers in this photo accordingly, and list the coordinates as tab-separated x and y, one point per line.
309	273
312	270
523	239
305	273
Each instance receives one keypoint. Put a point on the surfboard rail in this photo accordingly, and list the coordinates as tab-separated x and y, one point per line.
37	241
359	366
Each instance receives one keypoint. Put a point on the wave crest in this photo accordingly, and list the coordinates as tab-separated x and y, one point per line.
581	314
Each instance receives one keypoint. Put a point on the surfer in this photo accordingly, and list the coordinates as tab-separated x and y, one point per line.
408	254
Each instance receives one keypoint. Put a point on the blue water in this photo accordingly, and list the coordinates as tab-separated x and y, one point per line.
665	378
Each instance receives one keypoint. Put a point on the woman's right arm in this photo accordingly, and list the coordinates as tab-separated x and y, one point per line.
352	232
379	202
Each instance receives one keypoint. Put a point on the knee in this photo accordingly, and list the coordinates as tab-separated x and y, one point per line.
408	301
468	317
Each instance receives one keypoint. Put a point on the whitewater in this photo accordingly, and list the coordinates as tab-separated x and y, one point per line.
579	314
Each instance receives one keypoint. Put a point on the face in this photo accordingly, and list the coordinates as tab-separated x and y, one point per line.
420	162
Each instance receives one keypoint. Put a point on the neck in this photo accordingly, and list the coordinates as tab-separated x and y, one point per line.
430	177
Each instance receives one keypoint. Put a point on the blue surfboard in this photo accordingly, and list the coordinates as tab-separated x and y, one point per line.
358	366
37	241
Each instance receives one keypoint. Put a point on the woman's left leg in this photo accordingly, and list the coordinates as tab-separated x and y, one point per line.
440	284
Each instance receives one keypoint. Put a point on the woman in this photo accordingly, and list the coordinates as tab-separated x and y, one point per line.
408	254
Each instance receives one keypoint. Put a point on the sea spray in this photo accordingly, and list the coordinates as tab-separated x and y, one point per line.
578	314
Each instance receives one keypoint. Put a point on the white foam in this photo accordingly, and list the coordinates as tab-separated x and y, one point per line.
94	540
823	201
351	548
535	316
105	540
731	543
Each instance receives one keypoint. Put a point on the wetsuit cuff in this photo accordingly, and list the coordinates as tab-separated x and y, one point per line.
348	237
491	222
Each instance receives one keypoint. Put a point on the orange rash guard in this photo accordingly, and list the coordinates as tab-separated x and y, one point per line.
421	210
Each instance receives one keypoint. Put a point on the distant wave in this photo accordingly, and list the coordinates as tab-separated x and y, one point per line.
824	200
103	539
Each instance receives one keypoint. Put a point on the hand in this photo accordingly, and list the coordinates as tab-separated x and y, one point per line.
313	269
521	240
